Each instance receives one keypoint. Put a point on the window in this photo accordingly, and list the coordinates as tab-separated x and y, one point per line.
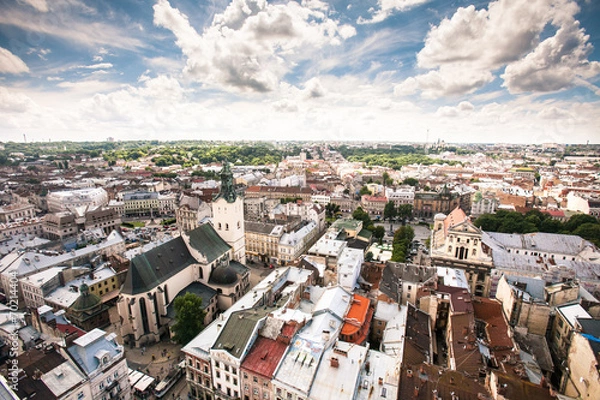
226	368
255	379
560	323
227	378
233	370
116	374
80	395
218	374
235	381
255	391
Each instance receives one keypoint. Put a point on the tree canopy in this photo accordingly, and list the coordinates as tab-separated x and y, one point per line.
189	318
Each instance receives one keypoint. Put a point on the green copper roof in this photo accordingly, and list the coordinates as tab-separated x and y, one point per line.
238	330
86	300
155	266
227	186
207	242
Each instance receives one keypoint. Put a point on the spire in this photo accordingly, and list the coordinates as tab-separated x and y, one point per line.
227	188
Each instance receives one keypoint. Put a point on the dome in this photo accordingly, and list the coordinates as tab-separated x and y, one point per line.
439	217
223	275
86	300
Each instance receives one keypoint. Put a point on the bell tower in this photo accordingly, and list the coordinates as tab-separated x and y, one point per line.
228	215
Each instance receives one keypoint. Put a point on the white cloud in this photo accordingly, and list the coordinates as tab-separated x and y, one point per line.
39	5
10	63
285	105
555	64
14	102
387	8
463	109
94	66
313	89
448	80
252	44
473	44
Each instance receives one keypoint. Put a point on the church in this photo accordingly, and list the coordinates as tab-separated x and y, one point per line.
207	261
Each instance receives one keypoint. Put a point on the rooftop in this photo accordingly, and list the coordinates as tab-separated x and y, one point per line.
264	356
338	372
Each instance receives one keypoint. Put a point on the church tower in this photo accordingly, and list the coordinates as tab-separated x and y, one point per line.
228	215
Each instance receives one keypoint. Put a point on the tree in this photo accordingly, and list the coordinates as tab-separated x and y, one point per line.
410	182
579	219
404	233
378	233
389	212
332	209
362	215
364	190
405	211
589	231
189	318
369	256
387	181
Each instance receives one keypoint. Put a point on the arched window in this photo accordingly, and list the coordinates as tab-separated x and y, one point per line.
219	226
226	227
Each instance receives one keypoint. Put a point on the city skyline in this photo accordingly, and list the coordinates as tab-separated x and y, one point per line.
402	71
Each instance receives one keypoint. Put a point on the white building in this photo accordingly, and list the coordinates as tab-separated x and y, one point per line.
401	195
348	268
103	361
293	244
68	199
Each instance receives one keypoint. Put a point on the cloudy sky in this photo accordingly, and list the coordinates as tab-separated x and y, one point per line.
521	71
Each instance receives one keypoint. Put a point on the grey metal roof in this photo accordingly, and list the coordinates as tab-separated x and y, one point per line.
197	288
88	349
540	241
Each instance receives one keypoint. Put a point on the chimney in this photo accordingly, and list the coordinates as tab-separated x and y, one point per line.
334	362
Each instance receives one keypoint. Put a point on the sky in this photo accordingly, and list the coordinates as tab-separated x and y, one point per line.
503	71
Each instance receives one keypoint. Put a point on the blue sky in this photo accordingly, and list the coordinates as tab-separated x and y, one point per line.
520	71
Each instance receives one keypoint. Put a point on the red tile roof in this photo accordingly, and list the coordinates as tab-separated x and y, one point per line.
70	329
454	218
490	311
264	356
356	315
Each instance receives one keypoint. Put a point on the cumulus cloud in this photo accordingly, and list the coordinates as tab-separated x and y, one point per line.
313	88
285	105
252	44
385	8
555	64
11	102
506	34
463	108
10	63
448	80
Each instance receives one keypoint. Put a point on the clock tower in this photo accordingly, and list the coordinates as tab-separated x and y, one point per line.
228	215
